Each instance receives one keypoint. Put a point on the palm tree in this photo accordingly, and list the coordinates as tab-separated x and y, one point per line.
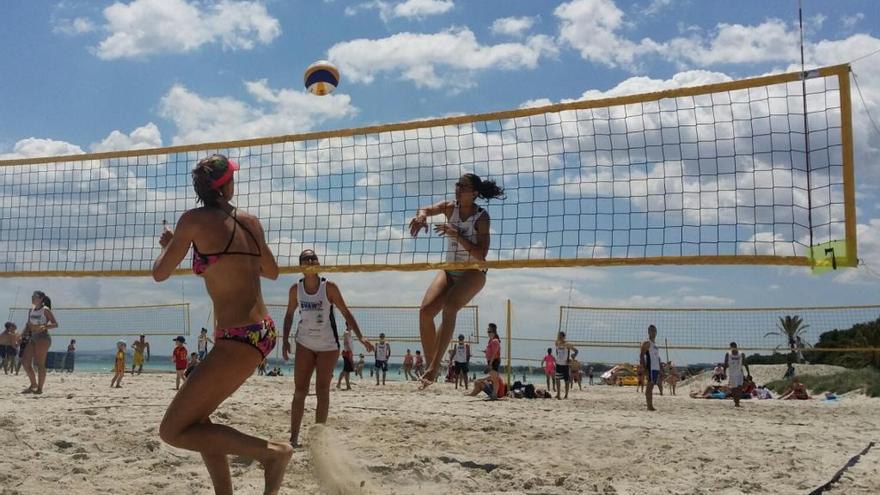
790	328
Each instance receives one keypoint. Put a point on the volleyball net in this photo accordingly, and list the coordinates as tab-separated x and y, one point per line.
114	321
398	323
752	171
713	329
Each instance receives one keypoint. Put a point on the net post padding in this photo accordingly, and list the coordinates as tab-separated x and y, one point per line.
115	321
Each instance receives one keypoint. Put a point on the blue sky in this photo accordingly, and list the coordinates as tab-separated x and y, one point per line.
92	76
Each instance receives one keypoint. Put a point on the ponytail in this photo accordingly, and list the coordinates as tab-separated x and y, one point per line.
486	189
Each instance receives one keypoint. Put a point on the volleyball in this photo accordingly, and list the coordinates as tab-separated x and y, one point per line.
321	78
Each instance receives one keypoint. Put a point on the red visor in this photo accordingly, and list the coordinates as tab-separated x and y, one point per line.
227	176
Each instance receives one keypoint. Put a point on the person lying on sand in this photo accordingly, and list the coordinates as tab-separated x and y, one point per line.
493	385
795	391
712	392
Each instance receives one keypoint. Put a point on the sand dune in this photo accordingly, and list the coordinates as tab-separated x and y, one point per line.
82	437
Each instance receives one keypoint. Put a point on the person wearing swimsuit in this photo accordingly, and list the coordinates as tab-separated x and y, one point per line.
649	360
9	347
40	321
467	232
230	254
317	340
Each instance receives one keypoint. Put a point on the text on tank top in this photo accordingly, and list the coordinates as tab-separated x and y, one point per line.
734	363
314	312
562	355
382	351
460	353
467	229
654	353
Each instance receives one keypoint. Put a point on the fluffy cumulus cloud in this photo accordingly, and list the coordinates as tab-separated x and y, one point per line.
272	112
147	27
771	41
409	9
75	26
34	147
445	59
144	137
512	26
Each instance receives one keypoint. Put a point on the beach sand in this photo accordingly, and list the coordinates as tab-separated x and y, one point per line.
82	437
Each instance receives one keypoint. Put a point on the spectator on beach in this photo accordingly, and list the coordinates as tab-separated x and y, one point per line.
9	347
178	357
359	367
382	352
141	348
408	361
762	393
640	378
493	385
789	371
549	364
734	362
261	368
718	373
461	355
191	365
563	358
649	359
40	321
672	376
70	356
23	341
795	391
119	365
575	369
204	340
347	359
590	374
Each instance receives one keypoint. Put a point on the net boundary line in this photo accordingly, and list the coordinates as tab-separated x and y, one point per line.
841	71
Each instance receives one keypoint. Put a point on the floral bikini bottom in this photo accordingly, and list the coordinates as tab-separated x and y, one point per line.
260	335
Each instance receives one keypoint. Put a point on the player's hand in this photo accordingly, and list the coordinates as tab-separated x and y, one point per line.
165	238
418	223
285	350
367	345
446	229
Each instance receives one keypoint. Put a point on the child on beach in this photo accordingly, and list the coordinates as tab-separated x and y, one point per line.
359	369
119	366
191	366
178	357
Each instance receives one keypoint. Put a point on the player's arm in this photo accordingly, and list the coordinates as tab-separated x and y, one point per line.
51	322
745	363
420	221
175	244
726	356
642	352
334	295
292	304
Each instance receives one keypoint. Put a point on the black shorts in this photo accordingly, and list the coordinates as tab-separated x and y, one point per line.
562	372
461	367
347	365
7	351
495	365
382	365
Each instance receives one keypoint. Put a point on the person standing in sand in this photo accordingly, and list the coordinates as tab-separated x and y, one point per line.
140	347
563	362
317	340
119	365
419	365
461	356
231	256
649	360
9	347
382	353
734	362
347	359
203	342
178	357
70	356
549	363
408	366
359	368
40	321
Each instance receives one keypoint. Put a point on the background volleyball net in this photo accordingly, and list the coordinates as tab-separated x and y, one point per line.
398	323
690	331
118	321
732	172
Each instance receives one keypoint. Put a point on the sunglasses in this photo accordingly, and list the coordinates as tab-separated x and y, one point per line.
310	257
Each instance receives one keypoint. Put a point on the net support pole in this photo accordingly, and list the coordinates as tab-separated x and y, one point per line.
849	178
509	334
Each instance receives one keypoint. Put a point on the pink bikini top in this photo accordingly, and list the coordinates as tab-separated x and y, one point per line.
201	261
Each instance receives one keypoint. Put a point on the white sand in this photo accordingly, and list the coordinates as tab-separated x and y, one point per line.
82	437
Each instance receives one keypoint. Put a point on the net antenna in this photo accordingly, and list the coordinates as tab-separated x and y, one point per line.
807	137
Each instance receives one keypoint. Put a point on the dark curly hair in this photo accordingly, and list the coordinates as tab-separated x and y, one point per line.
206	172
486	189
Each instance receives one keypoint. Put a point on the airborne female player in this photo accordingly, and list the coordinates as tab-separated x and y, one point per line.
467	231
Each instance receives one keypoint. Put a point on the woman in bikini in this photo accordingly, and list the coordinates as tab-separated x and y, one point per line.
317	340
467	230
230	253
40	321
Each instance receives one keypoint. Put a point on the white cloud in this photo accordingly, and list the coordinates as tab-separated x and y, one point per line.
512	26
850	21
592	27
666	277
273	112
770	41
644	84
656	6
144	137
445	59
869	254
147	27
409	9
79	25
36	147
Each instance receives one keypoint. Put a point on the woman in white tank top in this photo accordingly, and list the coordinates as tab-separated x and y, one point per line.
40	321
467	232
317	339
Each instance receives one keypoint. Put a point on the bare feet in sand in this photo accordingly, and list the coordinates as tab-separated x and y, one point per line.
275	466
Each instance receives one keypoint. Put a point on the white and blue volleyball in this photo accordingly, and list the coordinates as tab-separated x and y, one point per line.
321	78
